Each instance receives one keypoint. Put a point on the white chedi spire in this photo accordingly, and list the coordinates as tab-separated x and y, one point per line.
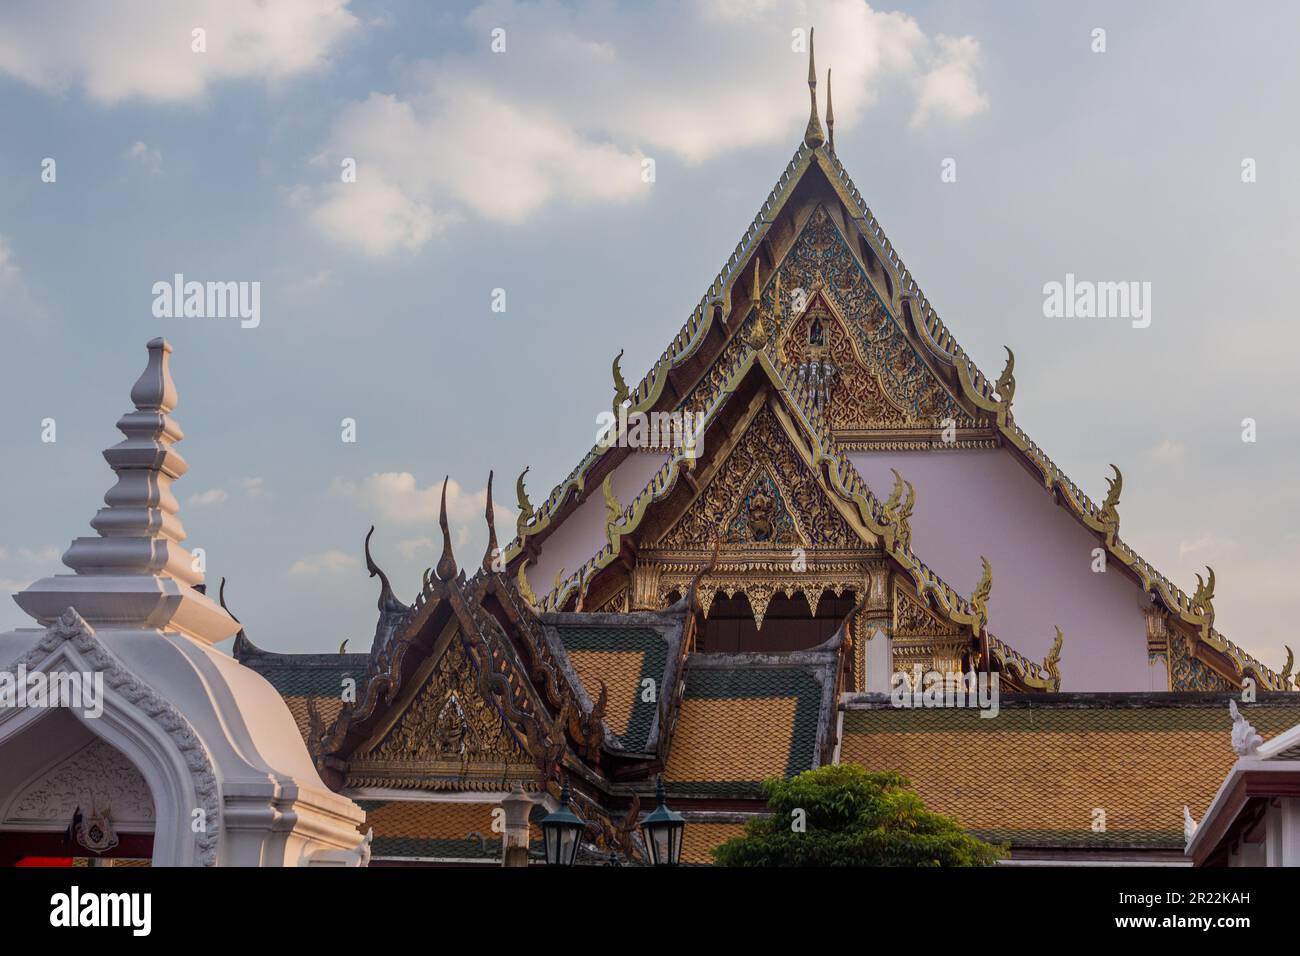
136	573
139	532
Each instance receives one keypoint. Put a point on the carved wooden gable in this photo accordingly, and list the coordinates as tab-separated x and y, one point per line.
764	497
827	322
447	732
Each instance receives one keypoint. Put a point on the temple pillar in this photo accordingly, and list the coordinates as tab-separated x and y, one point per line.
514	845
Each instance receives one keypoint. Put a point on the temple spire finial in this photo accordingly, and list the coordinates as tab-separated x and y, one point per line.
830	115
446	567
490	556
813	135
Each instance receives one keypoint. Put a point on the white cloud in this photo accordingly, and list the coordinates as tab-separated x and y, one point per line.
213	496
32	555
16	301
1203	545
1168	452
413	546
31	565
949	88
253	487
584	94
148	157
312	283
397	498
9	271
140	49
325	562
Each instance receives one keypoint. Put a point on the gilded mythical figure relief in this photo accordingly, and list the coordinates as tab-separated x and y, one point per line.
448	720
763	497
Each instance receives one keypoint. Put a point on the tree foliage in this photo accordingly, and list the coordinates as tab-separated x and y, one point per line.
843	815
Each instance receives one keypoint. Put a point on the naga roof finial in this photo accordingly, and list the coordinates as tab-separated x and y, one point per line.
521	583
525	506
830	115
813	135
1203	601
979	599
621	391
1006	383
1110	507
387	599
489	556
1052	664
446	567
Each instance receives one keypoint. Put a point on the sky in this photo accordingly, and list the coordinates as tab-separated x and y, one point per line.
500	152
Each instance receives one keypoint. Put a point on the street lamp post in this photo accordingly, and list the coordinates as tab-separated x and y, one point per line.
562	831
662	829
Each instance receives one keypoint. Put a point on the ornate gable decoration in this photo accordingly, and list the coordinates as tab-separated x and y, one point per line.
912	618
449	736
761	517
878	390
829	358
755	497
449	721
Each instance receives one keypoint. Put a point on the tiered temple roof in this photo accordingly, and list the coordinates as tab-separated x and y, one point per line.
480	685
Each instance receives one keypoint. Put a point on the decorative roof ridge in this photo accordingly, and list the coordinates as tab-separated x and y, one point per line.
260	658
684	343
842	479
1111	700
1032	674
811	658
980	390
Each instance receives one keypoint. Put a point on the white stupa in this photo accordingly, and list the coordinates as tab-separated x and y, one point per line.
192	748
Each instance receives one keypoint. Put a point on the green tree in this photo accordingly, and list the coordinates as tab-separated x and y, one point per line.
843	815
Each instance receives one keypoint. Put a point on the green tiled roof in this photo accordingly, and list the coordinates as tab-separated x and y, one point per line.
1046	719
726	683
312	681
625	639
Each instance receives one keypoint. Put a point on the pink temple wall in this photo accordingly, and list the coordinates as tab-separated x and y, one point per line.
984	502
582	534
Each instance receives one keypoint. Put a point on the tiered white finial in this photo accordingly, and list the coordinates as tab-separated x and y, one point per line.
136	573
139	531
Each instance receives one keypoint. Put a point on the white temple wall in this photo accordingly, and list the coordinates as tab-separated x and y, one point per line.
983	502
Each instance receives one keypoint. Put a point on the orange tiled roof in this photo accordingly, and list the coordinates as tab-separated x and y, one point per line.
1035	774
450	830
744	718
699	839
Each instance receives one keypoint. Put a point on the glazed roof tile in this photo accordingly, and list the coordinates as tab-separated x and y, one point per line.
1034	775
744	718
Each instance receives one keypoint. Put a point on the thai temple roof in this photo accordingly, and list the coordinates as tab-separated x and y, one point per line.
1032	776
480	685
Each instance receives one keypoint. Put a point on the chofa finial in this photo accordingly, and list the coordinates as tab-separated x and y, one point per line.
830	115
813	135
446	567
490	555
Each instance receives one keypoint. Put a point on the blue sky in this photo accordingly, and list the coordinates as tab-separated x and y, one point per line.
520	170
